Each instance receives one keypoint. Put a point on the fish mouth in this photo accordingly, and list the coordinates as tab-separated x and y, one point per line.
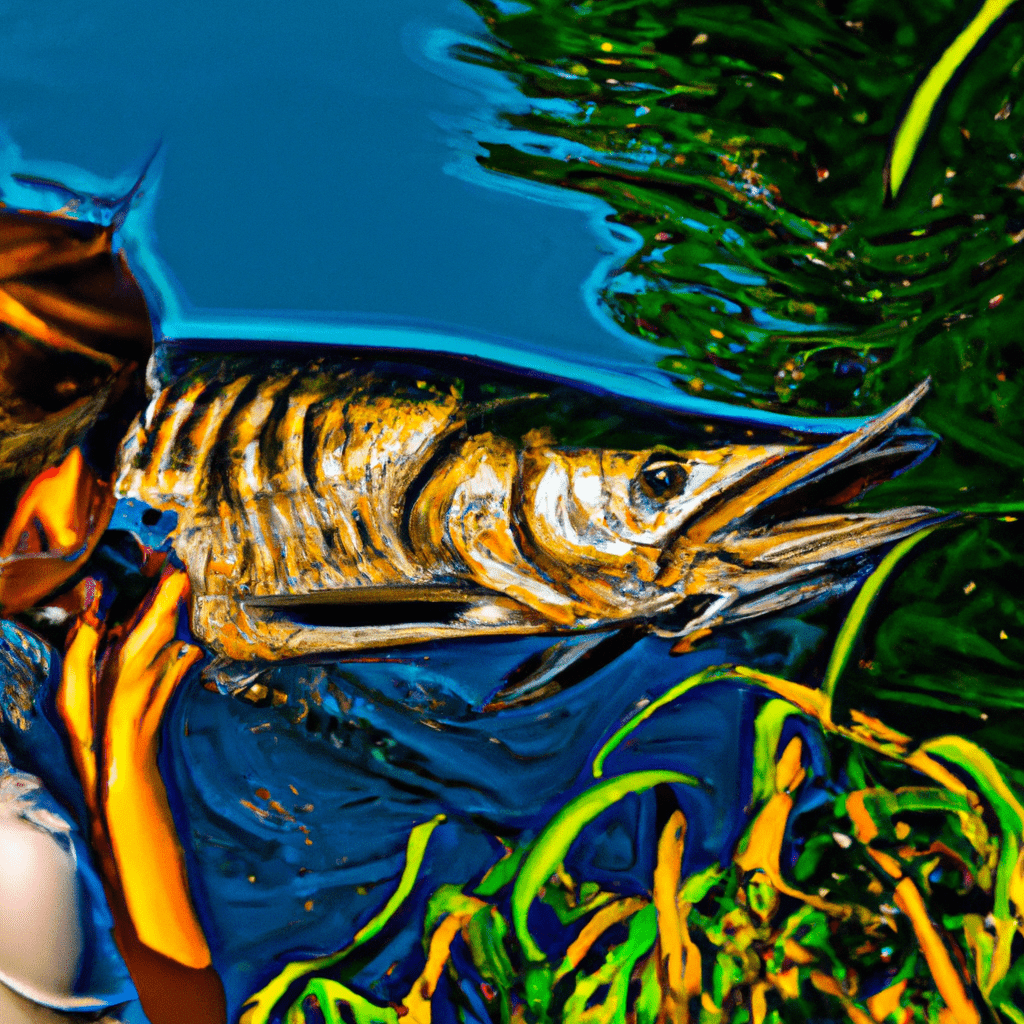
771	541
821	477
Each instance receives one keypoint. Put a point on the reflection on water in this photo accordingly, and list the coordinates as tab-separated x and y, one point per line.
745	147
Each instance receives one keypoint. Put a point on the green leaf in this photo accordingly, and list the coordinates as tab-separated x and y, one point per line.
501	874
854	622
551	846
261	1004
767	732
977	436
615	973
919	113
332	995
668	697
486	933
648	1003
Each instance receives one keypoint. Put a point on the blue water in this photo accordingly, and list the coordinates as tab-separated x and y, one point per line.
312	175
315	177
312	156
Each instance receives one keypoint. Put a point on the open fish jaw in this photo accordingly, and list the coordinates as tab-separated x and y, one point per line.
759	551
769	569
317	513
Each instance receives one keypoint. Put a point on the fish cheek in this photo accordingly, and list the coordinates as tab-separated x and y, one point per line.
546	513
610	584
466	506
463	520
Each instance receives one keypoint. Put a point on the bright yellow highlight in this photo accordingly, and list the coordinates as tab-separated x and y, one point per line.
881	1004
680	964
56	525
915	122
22	319
76	704
947	980
612	913
417	1002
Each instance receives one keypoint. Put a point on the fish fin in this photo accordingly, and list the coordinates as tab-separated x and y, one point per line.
563	664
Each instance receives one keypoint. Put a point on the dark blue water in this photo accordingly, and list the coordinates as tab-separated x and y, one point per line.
312	174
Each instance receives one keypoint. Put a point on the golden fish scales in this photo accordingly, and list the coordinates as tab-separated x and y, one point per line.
319	510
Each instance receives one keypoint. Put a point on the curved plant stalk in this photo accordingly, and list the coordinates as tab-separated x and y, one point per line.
417	1002
615	974
331	996
553	843
767	735
854	622
677	691
1008	896
915	122
261	1004
608	915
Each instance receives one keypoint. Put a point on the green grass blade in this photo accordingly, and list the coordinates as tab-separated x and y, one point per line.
553	843
1008	896
858	613
613	976
767	732
360	1010
666	698
414	854
260	1005
501	874
915	122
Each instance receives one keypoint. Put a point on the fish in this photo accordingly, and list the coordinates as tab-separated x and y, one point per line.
321	508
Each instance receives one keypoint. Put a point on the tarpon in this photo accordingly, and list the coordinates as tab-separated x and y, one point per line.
318	513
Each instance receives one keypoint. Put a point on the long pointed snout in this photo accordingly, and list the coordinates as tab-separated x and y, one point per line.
770	542
843	468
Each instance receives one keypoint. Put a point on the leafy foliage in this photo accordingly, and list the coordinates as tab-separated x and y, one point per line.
886	887
744	147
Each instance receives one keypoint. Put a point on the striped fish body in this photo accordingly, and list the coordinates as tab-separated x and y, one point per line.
322	509
288	485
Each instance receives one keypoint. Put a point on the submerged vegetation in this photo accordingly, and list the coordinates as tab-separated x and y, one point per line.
747	149
877	880
819	223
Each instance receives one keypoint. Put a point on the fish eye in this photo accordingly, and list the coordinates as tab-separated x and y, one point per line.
663	478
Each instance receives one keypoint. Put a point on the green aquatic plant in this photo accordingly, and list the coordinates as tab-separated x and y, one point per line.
885	883
922	106
260	1005
742	151
886	886
553	843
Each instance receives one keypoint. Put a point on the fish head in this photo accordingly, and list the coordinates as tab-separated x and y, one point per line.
593	505
691	539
